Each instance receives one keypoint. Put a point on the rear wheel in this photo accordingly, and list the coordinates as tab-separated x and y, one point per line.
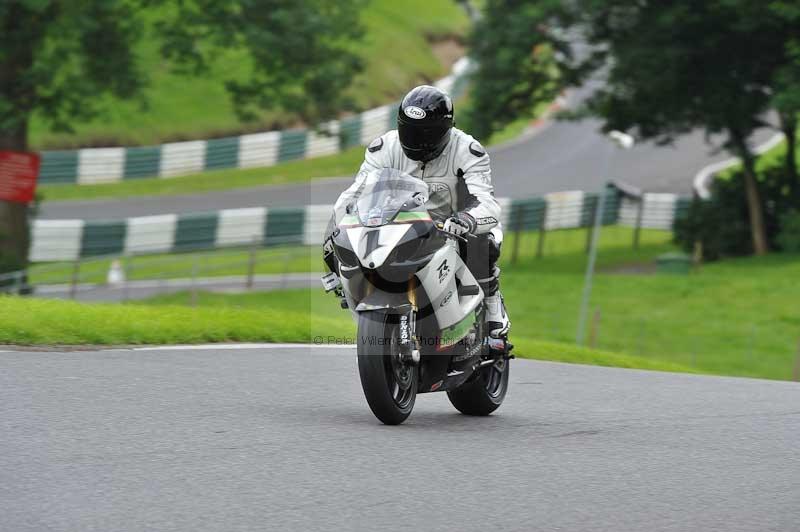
485	393
389	383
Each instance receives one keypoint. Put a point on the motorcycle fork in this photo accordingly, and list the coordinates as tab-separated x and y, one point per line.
409	343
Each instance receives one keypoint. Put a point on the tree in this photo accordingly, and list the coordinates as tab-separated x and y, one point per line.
303	53
670	67
675	66
517	54
786	87
57	58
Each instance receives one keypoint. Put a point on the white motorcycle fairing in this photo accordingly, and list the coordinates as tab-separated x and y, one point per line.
373	256
438	279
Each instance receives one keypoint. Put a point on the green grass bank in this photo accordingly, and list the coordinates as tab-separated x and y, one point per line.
737	317
225	319
182	108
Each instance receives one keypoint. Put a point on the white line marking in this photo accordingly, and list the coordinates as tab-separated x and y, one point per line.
208	347
198	347
702	180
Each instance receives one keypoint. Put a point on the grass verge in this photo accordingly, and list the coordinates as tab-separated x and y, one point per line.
27	321
30	321
737	317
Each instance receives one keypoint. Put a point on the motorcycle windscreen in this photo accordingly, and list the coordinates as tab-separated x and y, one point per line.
387	192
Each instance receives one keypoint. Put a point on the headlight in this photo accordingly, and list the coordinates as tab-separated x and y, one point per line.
406	251
345	256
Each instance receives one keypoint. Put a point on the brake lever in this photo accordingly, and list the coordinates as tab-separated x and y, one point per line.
440	227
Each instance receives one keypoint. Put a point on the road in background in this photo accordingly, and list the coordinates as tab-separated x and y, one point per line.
556	156
143	289
282	439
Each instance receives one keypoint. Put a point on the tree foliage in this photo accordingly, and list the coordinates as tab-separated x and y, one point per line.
675	66
517	51
58	58
303	53
679	65
786	86
721	224
669	67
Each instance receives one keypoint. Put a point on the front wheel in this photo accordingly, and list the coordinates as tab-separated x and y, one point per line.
389	383
484	394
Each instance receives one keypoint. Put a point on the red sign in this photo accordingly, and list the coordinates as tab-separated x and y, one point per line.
18	173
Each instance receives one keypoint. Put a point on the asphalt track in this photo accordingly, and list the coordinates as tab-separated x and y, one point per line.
553	157
281	439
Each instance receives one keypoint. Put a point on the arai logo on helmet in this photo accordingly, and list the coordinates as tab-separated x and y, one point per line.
414	112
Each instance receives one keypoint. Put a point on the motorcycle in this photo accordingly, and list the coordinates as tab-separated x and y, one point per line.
418	307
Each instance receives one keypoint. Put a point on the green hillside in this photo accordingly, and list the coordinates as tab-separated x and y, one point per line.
398	52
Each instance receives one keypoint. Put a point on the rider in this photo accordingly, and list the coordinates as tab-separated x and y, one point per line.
456	168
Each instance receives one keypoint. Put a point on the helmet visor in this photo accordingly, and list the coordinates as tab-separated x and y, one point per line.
422	138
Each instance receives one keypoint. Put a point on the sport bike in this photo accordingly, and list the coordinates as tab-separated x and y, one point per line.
418	307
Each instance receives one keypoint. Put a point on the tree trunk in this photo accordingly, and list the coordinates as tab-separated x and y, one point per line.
789	128
22	31
14	230
755	209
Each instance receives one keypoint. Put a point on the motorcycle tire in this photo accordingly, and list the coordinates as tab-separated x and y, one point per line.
390	386
484	394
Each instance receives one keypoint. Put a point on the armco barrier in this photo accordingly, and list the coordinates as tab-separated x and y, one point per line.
108	165
55	240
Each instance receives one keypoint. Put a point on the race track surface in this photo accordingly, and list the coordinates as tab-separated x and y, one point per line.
557	156
282	439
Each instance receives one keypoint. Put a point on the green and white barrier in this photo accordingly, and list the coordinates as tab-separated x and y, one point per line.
109	165
54	240
658	210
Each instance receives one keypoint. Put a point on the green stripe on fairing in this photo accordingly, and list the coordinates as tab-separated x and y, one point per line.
453	334
415	215
352	219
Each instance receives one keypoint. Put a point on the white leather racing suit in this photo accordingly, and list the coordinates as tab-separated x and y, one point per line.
459	179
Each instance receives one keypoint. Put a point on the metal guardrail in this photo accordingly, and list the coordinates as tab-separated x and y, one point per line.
108	165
